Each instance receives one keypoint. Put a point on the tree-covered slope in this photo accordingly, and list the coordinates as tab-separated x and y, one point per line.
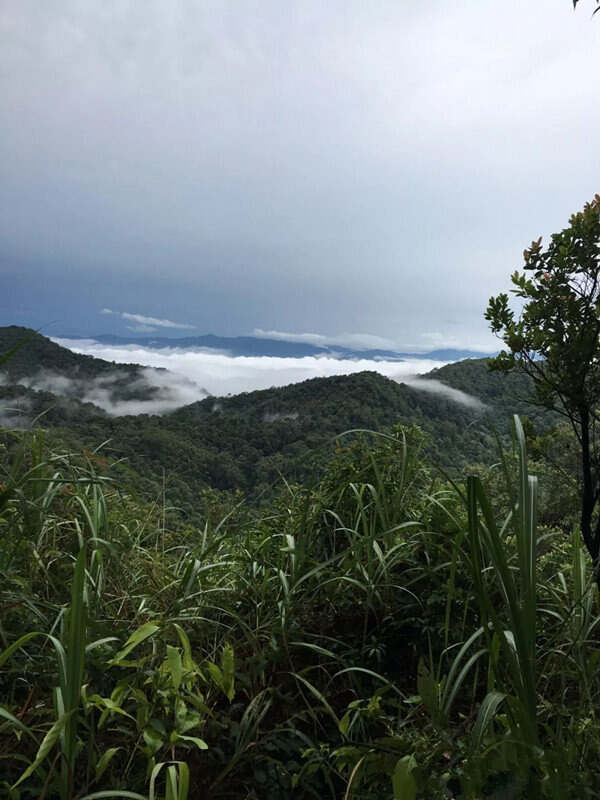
42	365
252	440
493	388
36	352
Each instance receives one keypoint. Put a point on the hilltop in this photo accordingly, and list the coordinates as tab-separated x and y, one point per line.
41	369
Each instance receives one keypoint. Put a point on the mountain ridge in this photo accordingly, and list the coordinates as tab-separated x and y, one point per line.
280	348
250	441
42	365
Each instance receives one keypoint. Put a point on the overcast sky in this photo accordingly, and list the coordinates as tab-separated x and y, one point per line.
340	168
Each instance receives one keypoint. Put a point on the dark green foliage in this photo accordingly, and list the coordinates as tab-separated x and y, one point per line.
333	642
556	341
39	352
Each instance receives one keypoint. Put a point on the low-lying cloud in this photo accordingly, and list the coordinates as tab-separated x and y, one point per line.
439	388
15	413
281	416
151	392
171	377
219	374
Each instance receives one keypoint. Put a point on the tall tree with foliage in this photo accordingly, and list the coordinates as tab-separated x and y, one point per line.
556	341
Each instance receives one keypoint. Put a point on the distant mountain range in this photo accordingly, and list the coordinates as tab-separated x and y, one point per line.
258	346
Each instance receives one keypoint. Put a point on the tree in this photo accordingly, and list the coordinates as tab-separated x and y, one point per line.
555	340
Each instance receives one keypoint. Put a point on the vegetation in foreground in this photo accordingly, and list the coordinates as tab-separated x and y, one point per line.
383	635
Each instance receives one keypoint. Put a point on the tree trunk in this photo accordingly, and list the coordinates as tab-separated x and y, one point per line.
590	533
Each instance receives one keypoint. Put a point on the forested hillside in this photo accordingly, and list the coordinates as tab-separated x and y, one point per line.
42	366
254	440
35	353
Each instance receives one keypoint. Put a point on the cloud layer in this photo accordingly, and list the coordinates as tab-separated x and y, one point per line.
219	374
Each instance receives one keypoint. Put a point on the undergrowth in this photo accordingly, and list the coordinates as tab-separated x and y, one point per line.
385	634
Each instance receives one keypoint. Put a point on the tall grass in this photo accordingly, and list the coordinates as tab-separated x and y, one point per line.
380	635
510	628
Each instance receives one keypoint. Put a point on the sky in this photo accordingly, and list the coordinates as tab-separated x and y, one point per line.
360	172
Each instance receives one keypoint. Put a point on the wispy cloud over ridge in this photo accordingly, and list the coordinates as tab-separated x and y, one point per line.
441	389
357	341
151	392
145	324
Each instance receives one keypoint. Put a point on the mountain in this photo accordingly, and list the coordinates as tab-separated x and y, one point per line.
258	346
41	365
37	353
251	440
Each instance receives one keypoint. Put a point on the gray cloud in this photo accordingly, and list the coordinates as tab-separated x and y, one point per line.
299	166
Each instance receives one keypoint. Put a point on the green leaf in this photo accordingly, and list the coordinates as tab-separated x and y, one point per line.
314	691
6	654
109	704
216	674
228	671
188	661
14	721
175	666
487	712
46	746
105	761
153	777
344	723
184	781
172	792
100	643
137	637
428	688
403	783
153	739
200	743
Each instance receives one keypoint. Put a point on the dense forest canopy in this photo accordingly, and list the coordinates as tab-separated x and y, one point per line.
253	440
